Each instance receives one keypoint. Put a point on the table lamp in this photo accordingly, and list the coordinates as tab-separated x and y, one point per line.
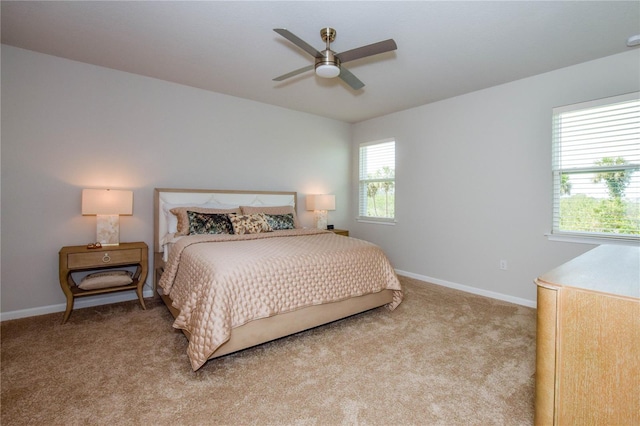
108	205
320	204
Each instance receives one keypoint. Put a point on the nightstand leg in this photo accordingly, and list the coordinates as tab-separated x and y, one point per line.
139	292
67	313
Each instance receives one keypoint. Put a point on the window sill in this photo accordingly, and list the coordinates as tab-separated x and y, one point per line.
591	239
376	221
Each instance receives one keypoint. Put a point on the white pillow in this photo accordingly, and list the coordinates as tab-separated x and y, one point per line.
105	279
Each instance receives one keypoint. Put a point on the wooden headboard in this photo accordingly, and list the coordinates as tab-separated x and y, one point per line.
162	196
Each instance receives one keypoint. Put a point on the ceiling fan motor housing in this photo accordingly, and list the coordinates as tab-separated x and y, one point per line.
328	65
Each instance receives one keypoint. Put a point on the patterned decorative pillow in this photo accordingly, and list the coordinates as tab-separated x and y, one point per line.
183	219
249	223
280	221
209	223
172	220
272	210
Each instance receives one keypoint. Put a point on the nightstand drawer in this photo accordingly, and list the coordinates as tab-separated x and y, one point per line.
106	257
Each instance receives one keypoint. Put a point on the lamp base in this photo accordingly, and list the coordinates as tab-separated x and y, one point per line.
108	229
321	219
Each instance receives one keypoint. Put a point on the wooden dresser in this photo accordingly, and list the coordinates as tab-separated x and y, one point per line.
588	340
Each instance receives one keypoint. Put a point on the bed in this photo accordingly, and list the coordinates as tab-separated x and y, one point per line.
270	278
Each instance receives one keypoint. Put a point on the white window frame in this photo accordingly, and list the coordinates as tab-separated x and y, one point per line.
361	181
557	170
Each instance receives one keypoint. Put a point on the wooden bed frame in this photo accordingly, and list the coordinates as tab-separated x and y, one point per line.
262	330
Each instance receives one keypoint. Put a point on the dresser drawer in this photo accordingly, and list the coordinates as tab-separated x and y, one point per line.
113	257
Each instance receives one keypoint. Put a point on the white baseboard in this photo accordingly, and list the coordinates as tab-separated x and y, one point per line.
148	292
85	302
468	289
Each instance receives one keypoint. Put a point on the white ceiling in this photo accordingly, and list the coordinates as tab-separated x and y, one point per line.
445	48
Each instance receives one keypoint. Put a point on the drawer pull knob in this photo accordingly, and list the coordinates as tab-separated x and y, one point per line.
106	258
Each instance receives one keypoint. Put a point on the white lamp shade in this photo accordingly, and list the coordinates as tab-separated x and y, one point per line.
321	202
107	202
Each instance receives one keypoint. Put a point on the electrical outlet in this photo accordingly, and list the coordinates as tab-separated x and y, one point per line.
503	264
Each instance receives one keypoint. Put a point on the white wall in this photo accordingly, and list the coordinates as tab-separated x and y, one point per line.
473	172
68	125
474	179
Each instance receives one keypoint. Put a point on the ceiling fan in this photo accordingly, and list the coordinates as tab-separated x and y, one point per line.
328	64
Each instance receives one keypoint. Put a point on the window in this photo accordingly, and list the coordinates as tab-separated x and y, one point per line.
377	181
596	169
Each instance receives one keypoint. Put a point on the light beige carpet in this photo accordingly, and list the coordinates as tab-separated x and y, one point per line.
442	358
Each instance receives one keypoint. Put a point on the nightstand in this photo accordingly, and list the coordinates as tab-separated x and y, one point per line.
344	232
80	258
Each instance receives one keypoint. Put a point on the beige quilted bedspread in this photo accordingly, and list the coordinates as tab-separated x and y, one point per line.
223	281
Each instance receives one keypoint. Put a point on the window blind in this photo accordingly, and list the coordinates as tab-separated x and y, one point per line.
376	194
596	167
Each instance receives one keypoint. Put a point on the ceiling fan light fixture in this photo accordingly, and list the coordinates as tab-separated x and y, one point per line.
327	66
327	70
